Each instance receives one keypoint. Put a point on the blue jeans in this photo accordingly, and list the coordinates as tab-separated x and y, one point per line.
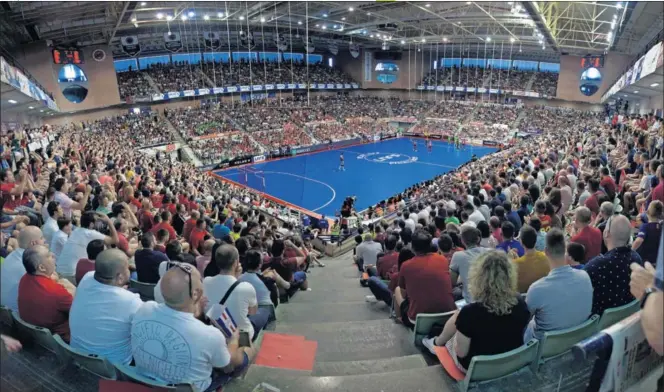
380	290
260	319
219	378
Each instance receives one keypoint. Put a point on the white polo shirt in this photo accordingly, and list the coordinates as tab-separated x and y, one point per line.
11	272
238	303
75	249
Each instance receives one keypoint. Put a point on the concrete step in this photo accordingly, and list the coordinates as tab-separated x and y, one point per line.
307	312
369	366
427	379
326	294
355	341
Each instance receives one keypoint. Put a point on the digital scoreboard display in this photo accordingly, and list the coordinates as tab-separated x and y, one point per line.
592	62
67	56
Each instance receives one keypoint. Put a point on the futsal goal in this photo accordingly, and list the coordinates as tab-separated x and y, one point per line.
252	178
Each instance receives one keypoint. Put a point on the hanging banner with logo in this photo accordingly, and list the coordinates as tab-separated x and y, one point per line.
308	44
211	39
247	40
130	45
334	49
172	42
354	50
280	42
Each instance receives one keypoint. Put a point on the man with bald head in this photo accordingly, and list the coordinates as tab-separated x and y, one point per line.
610	272
12	269
42	301
169	342
101	315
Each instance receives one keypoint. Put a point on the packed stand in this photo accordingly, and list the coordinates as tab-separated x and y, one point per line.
511	79
270	72
216	149
143	129
410	108
134	84
546	83
452	110
290	136
178	76
199	121
550	119
437	77
436	127
496	114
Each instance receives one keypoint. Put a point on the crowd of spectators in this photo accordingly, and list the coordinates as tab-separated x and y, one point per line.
511	79
135	129
215	149
134	84
290	136
549	119
198	121
452	110
496	114
546	83
410	108
177	76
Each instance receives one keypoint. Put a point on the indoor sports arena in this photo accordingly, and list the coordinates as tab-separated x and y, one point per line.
347	196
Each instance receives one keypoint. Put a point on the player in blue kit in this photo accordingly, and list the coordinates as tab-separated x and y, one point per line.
341	162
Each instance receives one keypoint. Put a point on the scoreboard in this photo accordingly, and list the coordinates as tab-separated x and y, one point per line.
592	62
67	56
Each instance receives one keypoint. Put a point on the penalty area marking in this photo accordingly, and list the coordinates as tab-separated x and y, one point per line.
334	193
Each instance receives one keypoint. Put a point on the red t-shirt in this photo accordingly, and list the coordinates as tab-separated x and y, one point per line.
196	239
11	201
386	263
189	225
83	267
123	244
165	225
172	208
147	220
426	280
44	303
157	200
658	192
592	202
608	184
591	239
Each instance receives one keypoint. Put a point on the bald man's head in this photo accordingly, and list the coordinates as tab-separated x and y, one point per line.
29	237
112	267
618	232
175	287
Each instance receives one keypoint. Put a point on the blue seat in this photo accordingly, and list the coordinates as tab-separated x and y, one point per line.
93	363
130	373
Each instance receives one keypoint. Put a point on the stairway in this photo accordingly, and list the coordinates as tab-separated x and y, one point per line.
529	84
188	152
519	118
152	83
206	78
359	347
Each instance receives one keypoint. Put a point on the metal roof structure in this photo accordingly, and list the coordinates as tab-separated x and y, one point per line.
540	30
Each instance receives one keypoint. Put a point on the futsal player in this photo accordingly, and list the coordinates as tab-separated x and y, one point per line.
341	162
414	146
429	145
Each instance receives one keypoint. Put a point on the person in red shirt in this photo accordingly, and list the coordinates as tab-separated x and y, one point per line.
43	301
425	285
161	239
12	192
197	237
146	216
387	264
592	202
608	183
189	224
587	235
165	224
84	266
658	192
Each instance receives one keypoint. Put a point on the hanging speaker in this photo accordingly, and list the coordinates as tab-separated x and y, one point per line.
333	48
130	45
172	42
211	39
280	42
308	44
247	40
354	50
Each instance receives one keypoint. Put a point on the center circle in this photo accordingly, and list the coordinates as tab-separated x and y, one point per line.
389	158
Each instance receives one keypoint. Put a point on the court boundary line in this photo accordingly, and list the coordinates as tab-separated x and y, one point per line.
302	209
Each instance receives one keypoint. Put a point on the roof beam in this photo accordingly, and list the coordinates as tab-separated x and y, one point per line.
117	24
532	10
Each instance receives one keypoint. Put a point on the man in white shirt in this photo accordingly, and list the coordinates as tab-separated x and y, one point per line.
102	311
367	252
50	227
12	269
76	246
474	215
241	302
170	343
61	236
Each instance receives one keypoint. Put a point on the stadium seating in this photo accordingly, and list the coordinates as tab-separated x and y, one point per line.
557	343
613	315
129	373
145	290
6	317
39	335
92	363
424	323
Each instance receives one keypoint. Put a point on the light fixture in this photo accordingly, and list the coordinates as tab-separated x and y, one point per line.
324	15
510	2
30	107
654	85
488	39
341	28
169	32
444	39
636	92
241	17
344	18
615	16
133	19
317	25
41	111
619	5
351	9
324	27
11	101
371	36
368	13
424	40
468	2
540	41
512	39
192	14
518	8
299	22
543	47
220	14
336	26
262	20
520	50
143	4
613	25
206	17
183	17
403	42
428	5
169	17
160	15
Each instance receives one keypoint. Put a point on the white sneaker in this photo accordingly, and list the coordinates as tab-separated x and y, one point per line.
309	289
429	344
370	299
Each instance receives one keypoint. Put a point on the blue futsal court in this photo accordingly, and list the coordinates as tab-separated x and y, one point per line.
373	172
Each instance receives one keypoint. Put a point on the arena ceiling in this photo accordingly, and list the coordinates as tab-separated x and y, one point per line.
530	29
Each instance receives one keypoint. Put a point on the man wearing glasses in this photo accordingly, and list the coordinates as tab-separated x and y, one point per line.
171	343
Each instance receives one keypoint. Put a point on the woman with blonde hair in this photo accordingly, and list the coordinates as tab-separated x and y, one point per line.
494	322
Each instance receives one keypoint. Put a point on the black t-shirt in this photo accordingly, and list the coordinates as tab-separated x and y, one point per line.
489	333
